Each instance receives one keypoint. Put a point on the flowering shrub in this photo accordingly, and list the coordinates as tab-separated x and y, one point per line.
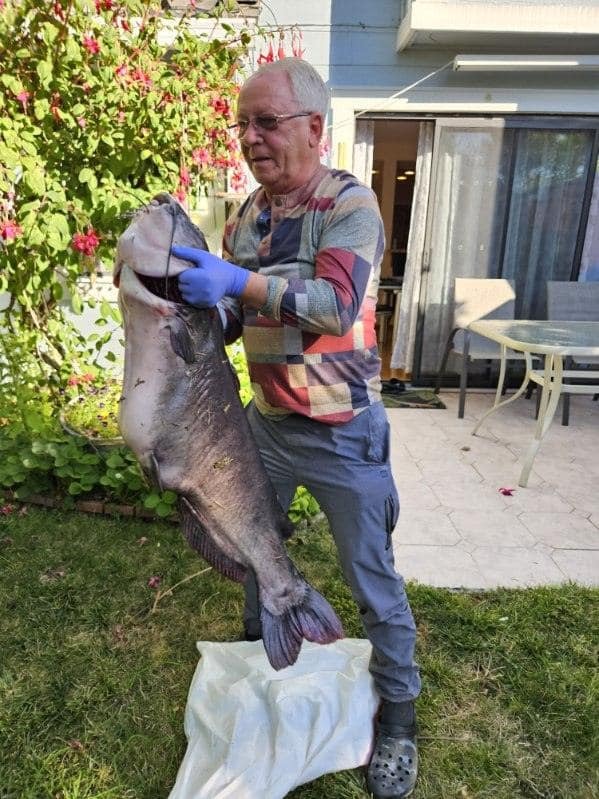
97	114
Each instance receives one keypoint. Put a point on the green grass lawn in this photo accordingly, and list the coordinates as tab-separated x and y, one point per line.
93	686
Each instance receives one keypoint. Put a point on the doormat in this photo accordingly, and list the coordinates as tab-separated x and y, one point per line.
413	398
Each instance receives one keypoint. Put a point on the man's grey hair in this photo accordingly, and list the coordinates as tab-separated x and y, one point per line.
309	89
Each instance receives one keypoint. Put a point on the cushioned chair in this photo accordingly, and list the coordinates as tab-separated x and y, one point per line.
476	298
570	301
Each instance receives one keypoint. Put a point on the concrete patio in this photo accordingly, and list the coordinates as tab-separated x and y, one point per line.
457	530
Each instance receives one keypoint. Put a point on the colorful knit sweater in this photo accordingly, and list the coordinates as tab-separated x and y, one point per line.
311	349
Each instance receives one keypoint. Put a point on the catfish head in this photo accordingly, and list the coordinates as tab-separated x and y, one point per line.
144	250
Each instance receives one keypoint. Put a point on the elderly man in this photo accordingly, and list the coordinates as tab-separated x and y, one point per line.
299	282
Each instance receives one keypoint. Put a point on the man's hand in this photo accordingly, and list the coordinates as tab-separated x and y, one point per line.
211	280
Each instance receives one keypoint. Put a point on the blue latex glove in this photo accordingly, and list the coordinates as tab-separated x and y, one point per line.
210	280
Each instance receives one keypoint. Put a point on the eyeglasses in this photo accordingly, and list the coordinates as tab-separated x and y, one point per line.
264	122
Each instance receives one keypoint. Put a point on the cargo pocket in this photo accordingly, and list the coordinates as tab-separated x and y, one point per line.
391	516
378	435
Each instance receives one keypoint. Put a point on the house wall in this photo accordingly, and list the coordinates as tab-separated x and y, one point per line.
353	46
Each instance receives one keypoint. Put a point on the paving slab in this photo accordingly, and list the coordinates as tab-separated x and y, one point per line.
442	567
516	567
578	566
456	529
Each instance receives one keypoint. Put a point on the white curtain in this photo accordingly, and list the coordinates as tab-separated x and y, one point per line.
363	149
405	335
550	174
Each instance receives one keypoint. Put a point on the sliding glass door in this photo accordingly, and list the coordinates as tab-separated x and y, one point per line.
508	199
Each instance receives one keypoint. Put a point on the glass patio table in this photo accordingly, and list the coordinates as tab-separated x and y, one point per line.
552	341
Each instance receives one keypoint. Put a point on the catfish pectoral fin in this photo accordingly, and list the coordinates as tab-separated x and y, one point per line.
313	619
200	540
181	340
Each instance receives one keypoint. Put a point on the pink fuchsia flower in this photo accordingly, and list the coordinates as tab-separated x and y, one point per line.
268	57
222	162
23	98
296	44
103	5
281	47
142	77
166	98
154	581
81	122
180	194
184	177
221	106
122	71
120	116
6	510
507	492
214	134
91	44
324	147
85	243
9	230
201	156
238	180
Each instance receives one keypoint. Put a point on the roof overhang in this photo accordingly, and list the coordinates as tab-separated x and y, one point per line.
528	27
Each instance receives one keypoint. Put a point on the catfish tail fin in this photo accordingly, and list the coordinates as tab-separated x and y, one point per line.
313	619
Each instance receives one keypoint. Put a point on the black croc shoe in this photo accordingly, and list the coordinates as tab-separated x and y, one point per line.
393	768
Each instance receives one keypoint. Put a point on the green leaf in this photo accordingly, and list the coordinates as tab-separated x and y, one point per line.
32	419
86	175
163	510
8	157
57	291
76	303
35	180
72	49
11	83
152	501
59	224
44	72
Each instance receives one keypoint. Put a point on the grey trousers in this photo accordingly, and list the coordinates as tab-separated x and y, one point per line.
346	468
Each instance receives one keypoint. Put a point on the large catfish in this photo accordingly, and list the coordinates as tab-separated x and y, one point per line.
181	415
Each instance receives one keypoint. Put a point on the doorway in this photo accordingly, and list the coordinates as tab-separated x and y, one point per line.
503	197
508	199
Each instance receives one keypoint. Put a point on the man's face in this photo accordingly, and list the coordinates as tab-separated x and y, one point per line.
285	158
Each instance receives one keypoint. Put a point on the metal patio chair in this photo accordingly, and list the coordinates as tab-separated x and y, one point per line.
570	301
476	298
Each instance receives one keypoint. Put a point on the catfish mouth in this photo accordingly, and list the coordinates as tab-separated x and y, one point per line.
167	288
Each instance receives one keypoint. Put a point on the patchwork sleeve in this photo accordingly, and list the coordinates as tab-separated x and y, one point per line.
230	310
349	254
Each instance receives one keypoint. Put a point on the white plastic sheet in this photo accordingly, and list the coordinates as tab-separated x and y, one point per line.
255	733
